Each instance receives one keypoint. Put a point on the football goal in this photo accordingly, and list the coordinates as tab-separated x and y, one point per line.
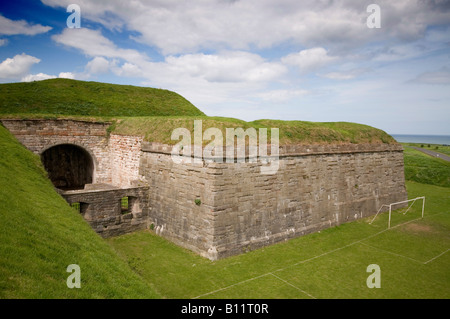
399	203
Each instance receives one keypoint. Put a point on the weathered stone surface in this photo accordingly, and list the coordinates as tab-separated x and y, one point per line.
242	209
125	153
101	208
40	135
215	208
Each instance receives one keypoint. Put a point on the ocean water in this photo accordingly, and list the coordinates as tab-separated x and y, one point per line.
429	139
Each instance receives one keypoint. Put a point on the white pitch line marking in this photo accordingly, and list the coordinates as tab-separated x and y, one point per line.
321	255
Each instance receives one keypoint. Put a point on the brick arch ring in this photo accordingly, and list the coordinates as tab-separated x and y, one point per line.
85	151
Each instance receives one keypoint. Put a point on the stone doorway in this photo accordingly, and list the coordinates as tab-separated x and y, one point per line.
69	166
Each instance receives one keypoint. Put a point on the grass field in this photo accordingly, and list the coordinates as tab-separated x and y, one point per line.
413	258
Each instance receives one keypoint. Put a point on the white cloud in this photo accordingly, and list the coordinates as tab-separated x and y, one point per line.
128	70
399	52
101	65
18	66
12	27
43	76
3	42
236	66
309	59
214	80
97	65
339	76
94	44
37	77
210	80
66	75
441	76
179	27
345	75
230	66
227	66
282	96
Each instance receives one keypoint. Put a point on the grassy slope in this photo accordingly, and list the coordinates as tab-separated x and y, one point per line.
40	235
71	97
422	168
155	113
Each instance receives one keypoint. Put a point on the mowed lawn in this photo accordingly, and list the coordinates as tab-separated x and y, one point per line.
413	257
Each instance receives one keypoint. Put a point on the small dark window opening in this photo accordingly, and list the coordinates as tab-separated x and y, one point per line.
129	204
80	207
124	205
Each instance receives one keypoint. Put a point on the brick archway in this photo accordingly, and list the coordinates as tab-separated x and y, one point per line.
69	166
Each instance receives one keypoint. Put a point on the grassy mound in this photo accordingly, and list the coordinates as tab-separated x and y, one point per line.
159	129
72	97
41	235
155	113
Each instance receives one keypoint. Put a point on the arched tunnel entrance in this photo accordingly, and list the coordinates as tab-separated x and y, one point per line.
69	166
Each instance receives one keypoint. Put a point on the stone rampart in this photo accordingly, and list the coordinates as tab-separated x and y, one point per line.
222	209
214	207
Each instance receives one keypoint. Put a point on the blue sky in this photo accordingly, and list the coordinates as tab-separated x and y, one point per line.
291	60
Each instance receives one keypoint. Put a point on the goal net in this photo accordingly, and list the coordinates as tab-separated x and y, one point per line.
393	205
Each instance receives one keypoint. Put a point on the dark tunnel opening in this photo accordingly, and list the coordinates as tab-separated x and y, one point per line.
69	166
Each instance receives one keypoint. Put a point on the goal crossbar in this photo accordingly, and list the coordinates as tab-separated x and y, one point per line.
397	203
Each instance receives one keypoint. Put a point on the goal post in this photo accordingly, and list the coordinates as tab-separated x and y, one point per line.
398	203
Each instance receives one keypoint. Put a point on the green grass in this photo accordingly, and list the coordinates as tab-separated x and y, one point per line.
159	129
413	256
79	98
329	264
426	169
444	149
40	235
155	113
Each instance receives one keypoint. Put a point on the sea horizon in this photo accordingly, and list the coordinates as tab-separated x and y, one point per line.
422	138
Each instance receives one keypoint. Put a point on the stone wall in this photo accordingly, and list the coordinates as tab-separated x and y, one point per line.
39	135
180	201
116	165
101	208
125	156
316	187
309	193
214	208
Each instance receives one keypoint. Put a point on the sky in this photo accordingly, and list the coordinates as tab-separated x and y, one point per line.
321	61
